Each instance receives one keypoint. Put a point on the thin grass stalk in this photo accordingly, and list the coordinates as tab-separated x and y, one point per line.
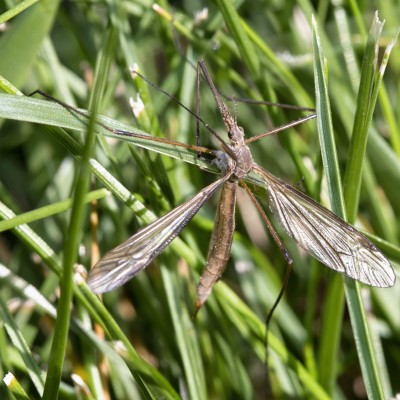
74	235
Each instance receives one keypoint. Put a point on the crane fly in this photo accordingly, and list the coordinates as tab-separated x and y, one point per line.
321	233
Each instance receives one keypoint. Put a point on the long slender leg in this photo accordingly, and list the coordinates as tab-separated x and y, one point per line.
120	132
268	223
279	242
198	105
280	128
282	247
287	256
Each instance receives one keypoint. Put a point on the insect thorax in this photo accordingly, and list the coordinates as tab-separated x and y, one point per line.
240	165
244	161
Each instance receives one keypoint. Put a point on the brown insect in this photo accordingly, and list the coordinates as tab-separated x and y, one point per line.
328	238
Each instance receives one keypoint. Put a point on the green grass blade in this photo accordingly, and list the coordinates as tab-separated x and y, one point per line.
23	5
19	342
73	237
161	388
221	354
365	348
52	114
14	387
334	306
362	121
32	239
253	329
372	363
149	379
35	24
47	211
234	24
186	338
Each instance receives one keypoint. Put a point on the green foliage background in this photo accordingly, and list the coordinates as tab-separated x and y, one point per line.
151	348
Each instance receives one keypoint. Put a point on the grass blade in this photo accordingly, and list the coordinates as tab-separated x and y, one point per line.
365	348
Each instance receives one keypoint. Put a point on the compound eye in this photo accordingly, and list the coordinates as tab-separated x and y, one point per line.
236	134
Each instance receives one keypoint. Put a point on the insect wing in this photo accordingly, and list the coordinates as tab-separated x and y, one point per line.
126	260
328	238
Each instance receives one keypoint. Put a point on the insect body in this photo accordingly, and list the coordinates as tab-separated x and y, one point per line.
324	235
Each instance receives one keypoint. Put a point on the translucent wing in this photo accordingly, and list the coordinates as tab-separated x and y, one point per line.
125	261
328	238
